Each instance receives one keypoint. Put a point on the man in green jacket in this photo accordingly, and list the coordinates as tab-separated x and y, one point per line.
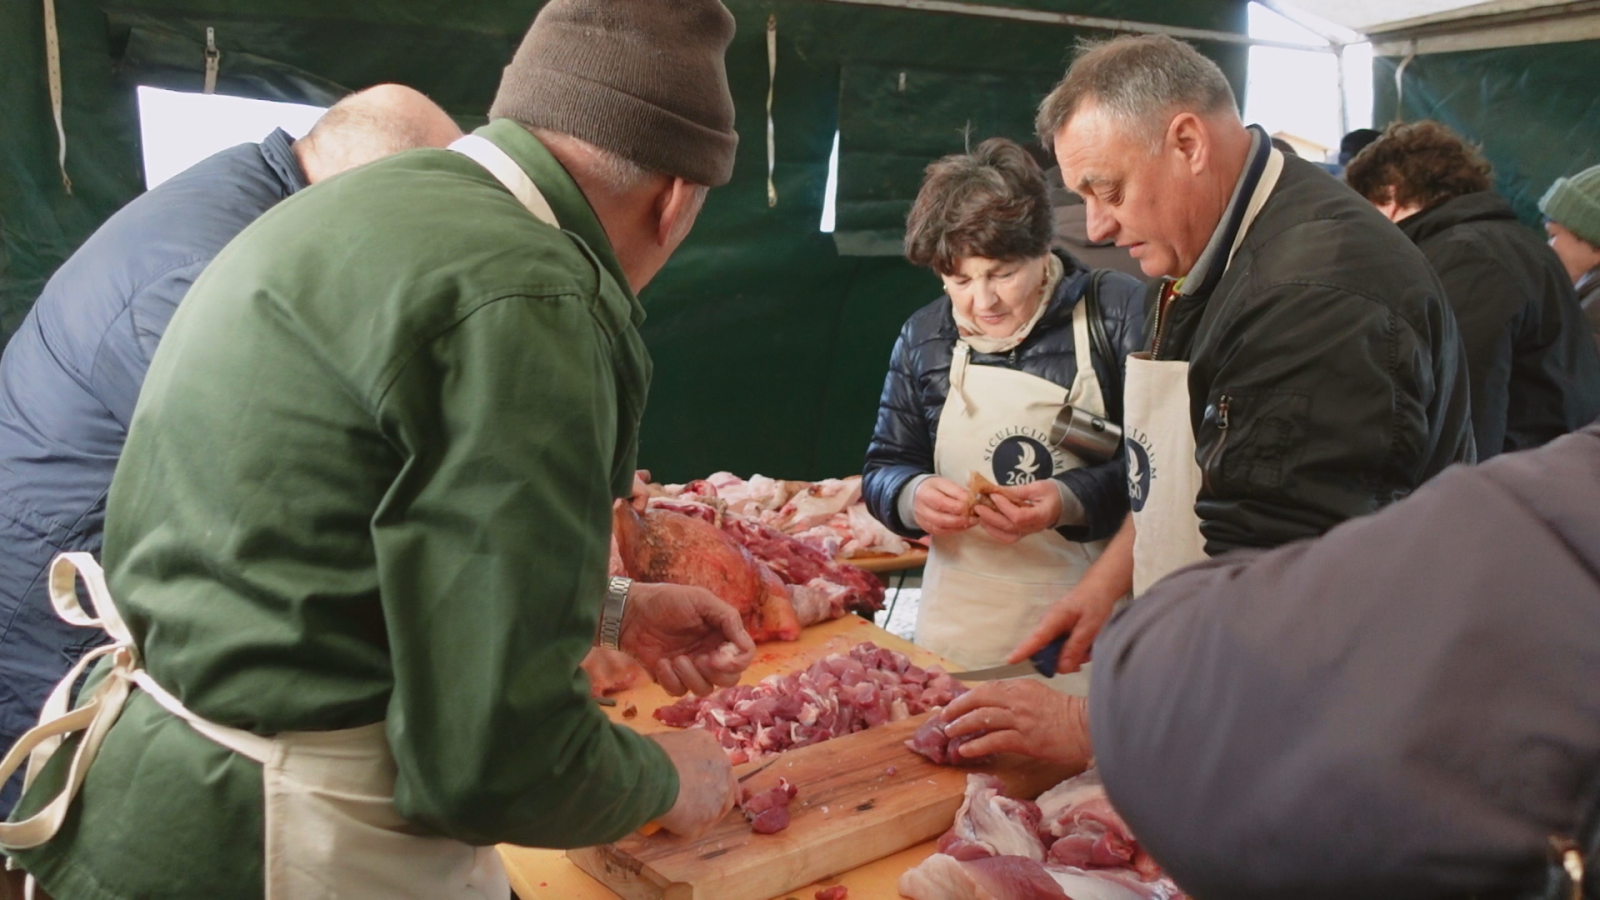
360	529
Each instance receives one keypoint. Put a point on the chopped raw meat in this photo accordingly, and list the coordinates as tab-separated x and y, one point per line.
672	547
839	694
837	892
991	824
1085	831
932	742
611	671
818	503
1077	840
799	564
768	811
826	515
943	877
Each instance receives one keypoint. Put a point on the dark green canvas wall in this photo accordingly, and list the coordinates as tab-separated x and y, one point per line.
770	346
1535	110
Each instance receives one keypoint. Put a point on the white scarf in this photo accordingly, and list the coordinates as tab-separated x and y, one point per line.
983	343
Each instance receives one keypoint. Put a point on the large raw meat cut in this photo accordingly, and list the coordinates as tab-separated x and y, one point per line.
991	824
1083	830
1070	844
667	546
840	694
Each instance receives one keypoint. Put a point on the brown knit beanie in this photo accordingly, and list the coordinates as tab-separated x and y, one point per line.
644	79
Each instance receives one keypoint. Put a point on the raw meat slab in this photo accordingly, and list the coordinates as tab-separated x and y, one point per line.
869	814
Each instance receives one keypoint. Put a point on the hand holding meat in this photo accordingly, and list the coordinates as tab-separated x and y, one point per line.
707	788
686	637
1015	512
1020	716
942	507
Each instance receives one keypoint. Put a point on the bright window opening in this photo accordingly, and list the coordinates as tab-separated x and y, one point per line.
830	194
1296	92
180	129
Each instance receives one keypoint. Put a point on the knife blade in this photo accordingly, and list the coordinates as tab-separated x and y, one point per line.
1041	663
746	776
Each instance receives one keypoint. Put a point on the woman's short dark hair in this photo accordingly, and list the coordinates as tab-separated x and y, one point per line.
1418	164
991	203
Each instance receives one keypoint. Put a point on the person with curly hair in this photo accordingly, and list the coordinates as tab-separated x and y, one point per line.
975	384
1534	371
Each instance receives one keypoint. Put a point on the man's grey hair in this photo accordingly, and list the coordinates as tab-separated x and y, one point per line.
607	170
1142	81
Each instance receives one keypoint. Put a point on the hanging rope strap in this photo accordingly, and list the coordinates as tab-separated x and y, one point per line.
772	80
52	55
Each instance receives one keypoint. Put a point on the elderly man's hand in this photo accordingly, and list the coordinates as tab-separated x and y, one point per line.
1021	510
687	638
1021	716
1080	614
707	788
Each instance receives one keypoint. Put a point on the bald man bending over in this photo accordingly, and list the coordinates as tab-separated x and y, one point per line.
71	374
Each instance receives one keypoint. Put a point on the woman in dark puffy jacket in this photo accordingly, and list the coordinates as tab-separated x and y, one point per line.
975	383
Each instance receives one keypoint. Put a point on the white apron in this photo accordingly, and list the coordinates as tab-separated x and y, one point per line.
981	597
330	825
328	796
1163	476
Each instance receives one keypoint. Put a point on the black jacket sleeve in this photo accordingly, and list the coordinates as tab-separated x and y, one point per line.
1102	488
902	441
1315	410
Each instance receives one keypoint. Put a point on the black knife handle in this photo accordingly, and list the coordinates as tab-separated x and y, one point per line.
1045	660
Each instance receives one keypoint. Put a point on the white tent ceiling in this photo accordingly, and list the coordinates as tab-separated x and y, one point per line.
1435	26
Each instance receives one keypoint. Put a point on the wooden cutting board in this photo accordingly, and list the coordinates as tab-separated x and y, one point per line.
850	811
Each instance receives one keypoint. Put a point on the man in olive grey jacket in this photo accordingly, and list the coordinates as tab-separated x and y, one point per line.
1406	707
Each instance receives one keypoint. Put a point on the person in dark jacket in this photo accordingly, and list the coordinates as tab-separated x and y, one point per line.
975	384
1304	369
1532	366
1572	220
1404	708
71	374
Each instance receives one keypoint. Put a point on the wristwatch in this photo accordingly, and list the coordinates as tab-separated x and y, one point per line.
611	611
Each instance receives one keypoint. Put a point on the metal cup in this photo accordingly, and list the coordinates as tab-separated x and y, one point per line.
1088	436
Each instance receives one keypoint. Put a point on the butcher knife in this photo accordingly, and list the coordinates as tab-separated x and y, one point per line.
1041	663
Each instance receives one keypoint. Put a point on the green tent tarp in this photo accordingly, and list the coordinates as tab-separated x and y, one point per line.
770	344
1535	109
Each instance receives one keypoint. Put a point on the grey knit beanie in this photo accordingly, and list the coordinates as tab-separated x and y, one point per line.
1575	204
644	79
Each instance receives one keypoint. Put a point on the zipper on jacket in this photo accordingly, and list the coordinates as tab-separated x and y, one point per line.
1163	300
1222	439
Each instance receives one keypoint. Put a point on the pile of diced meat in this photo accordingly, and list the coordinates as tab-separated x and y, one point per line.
839	694
827	515
1069	845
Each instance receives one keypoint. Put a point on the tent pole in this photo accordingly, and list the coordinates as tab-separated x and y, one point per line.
957	7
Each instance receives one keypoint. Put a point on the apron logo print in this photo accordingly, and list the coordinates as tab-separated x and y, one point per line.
1140	471
1021	459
